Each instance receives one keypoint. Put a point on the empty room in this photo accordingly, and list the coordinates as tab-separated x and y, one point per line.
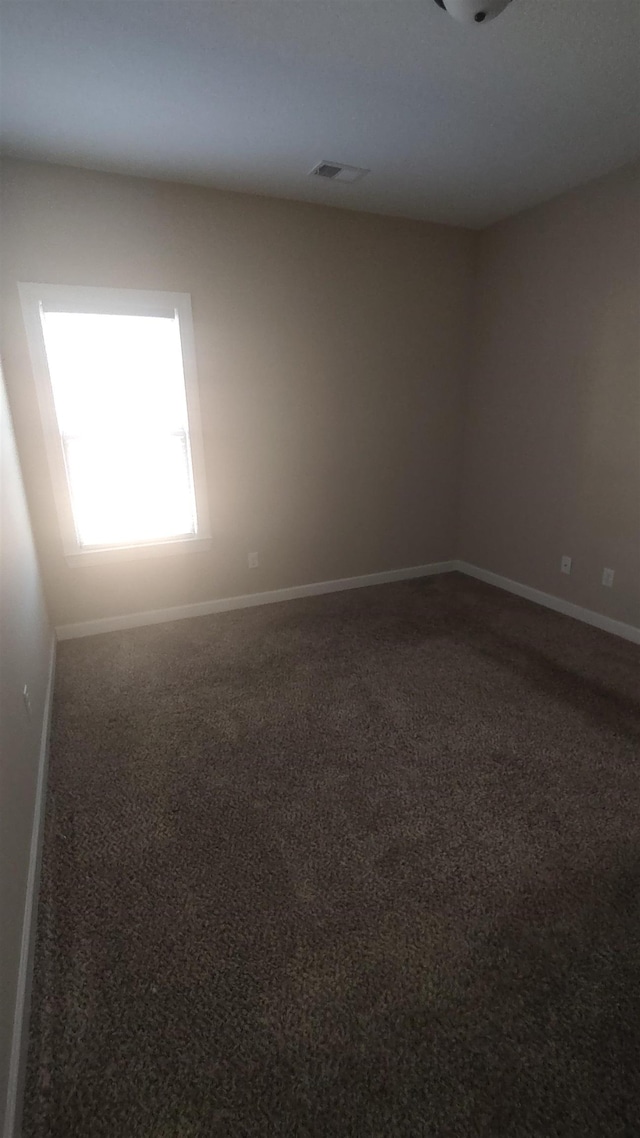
320	569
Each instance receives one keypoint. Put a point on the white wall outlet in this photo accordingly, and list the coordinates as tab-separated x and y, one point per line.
607	577
26	695
253	560
565	565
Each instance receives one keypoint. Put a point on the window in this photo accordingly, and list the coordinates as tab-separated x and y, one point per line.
115	371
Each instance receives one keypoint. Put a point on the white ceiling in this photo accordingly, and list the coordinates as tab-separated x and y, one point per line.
463	124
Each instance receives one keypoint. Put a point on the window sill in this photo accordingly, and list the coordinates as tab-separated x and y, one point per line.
135	552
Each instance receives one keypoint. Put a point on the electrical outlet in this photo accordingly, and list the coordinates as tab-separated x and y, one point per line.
607	577
26	695
253	560
565	565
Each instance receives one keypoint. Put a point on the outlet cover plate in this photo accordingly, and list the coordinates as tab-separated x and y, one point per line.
607	577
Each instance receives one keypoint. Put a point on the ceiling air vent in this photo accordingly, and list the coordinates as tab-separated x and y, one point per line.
338	172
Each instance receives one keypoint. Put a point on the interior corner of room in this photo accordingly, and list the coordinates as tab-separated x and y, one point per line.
371	398
393	415
426	394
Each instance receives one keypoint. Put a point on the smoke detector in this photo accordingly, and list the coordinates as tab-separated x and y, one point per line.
338	172
473	11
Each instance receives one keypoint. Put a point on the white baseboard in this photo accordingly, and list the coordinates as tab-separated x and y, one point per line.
598	620
226	604
19	1041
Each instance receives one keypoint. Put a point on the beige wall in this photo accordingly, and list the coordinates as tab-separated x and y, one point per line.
329	348
25	647
551	446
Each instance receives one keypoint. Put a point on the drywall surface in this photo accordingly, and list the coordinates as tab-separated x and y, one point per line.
25	653
329	348
551	440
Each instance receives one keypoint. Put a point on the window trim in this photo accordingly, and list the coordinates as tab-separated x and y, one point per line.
126	302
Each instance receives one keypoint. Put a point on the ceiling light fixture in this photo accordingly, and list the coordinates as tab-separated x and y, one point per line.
473	11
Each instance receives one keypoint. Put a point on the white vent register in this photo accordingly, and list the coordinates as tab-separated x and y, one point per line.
338	172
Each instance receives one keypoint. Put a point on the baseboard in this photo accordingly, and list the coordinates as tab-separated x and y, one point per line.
19	1041
249	600
598	620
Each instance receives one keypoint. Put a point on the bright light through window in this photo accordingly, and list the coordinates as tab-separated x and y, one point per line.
119	393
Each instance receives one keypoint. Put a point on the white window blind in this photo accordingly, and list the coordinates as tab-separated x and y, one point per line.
118	391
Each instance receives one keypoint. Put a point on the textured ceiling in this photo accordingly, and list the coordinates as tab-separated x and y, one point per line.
463	124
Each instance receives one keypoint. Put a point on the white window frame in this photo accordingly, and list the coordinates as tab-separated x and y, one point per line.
121	302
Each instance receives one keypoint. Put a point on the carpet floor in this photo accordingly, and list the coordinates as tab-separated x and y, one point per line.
363	865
